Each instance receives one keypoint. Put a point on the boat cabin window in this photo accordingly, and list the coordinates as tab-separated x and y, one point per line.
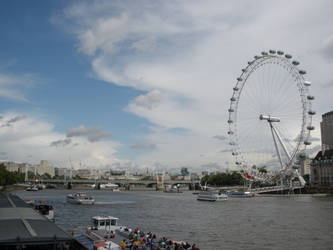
113	222
107	222
95	223
102	223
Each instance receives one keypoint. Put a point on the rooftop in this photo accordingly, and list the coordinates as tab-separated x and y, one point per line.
22	225
327	155
104	218
328	114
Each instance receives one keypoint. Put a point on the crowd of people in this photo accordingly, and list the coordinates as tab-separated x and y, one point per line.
139	240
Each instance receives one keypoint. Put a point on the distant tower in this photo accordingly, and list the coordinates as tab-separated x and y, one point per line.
26	173
327	131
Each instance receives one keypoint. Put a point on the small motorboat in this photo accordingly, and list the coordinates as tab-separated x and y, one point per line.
212	196
80	198
32	188
43	207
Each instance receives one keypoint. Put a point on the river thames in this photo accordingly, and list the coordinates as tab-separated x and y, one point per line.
281	222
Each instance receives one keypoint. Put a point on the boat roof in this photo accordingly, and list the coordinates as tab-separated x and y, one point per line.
37	202
101	217
21	224
81	194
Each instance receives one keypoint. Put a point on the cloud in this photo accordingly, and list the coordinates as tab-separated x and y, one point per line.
225	150
327	48
186	60
33	139
93	134
212	166
328	84
14	86
61	143
143	146
145	44
148	101
313	150
12	120
16	118
220	137
311	139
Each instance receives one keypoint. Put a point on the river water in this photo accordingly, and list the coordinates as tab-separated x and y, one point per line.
287	222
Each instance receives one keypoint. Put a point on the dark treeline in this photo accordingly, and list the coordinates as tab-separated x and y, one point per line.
9	178
223	179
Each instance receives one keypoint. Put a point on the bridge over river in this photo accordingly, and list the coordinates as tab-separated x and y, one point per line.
153	183
121	182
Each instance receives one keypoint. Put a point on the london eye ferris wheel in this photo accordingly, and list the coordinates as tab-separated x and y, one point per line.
270	114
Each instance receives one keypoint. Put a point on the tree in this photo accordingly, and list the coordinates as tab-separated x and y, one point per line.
306	177
262	170
204	180
223	179
9	178
46	176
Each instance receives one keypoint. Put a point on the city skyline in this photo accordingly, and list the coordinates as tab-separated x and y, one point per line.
143	84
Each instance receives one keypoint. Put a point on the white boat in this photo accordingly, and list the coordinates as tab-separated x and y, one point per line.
172	189
212	196
240	194
80	198
101	234
107	223
32	188
109	186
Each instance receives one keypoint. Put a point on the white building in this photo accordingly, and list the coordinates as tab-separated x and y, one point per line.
45	168
306	166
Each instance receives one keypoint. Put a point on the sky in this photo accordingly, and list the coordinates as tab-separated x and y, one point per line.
143	85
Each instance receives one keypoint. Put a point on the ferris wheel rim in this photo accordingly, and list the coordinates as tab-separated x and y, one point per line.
302	88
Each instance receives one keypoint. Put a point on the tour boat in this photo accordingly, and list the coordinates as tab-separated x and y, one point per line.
212	196
101	234
107	223
105	234
80	198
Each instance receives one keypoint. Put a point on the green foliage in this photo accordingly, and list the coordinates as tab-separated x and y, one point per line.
262	170
31	175
58	177
46	176
295	179
148	178
306	177
223	179
9	178
204	179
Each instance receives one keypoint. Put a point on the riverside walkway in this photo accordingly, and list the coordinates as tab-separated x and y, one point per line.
282	188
